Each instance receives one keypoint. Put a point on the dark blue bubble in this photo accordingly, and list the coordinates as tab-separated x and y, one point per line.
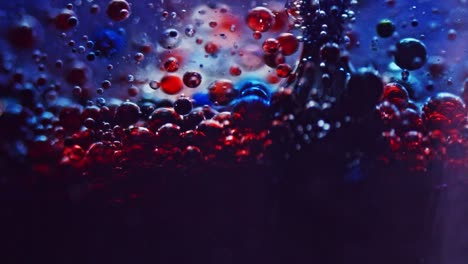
201	99
254	88
110	41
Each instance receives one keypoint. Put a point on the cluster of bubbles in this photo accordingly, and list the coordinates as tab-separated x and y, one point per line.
221	91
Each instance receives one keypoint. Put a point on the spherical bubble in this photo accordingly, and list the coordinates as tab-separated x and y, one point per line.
194	118
192	155
25	33
410	120
222	91
171	64
190	31
100	154
192	79
65	20
170	38
273	60
271	46
138	136
79	74
260	19
288	43
211	48
171	84
211	128
283	70
168	135
163	115
389	114
183	105
396	94
436	66
127	114
410	54
385	28
444	111
154	85
235	70
330	52
118	10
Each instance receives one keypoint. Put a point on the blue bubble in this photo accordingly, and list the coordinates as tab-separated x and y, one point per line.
255	88
201	99
110	41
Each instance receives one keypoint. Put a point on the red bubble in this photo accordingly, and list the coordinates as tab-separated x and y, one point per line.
61	21
171	64
171	84
283	70
211	48
271	46
260	19
444	111
235	70
192	79
396	94
289	43
118	10
222	91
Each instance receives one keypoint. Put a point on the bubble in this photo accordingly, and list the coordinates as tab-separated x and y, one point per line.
330	52
396	94
79	74
133	91
410	54
385	28
452	34
192	79
170	39
94	9
257	35
288	43
163	115
100	154
65	20
171	64
271	46
260	19
168	135
154	85
139	56
222	91
171	84
25	33
127	114
183	105
235	70
283	70
444	111
118	10
190	31
211	48
389	114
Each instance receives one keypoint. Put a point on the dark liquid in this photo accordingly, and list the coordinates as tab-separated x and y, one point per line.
278	151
